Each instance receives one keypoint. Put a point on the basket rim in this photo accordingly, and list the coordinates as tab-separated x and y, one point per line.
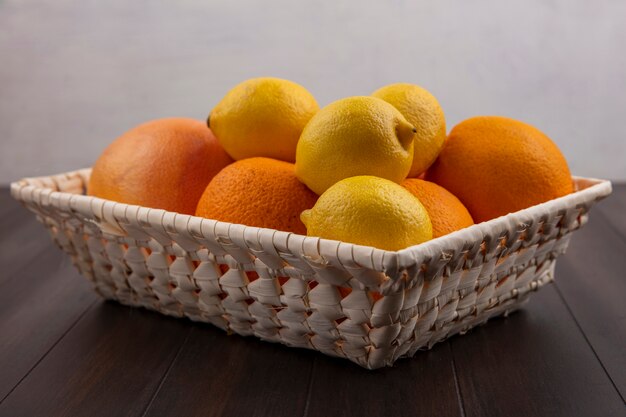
25	190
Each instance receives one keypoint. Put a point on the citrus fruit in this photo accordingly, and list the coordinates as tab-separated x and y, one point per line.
447	214
496	165
423	111
259	192
263	117
354	136
164	164
369	211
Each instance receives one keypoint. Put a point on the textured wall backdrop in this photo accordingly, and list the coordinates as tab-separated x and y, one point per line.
74	74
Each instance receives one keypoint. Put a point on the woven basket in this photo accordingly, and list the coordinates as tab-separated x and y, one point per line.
364	304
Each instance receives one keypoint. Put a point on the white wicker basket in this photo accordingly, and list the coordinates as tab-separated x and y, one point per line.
285	288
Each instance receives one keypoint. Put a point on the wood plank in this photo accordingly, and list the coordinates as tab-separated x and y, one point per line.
216	374
423	385
37	307
12	214
614	209
26	242
109	364
591	279
42	296
22	237
534	363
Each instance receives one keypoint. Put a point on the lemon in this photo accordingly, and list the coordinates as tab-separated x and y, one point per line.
354	136
262	117
369	211
423	111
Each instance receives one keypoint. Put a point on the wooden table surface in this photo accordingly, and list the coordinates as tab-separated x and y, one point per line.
66	352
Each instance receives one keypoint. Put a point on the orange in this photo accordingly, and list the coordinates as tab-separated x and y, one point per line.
496	165
259	192
446	212
164	164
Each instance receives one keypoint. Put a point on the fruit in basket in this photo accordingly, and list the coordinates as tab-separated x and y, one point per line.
263	117
354	136
164	164
423	111
496	165
370	211
446	212
259	192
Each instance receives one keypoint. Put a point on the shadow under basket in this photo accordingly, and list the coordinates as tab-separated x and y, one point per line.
364	304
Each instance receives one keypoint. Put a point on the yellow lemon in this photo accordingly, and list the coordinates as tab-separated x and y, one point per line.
354	136
369	211
262	117
422	110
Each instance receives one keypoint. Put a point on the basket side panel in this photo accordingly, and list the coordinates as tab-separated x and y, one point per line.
363	304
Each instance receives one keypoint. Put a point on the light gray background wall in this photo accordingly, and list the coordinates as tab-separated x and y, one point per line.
75	74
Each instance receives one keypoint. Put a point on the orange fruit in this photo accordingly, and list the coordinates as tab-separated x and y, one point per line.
259	192
446	212
164	164
496	165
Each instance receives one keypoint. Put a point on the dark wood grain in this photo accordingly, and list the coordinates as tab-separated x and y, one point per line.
20	234
109	364
534	363
592	279
220	375
35	312
41	296
420	386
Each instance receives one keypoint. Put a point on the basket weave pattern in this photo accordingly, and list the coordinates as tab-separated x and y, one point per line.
304	291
